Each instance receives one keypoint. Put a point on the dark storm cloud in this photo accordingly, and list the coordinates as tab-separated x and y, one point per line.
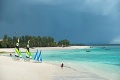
80	21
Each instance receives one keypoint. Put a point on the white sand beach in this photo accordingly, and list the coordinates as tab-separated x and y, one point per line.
43	48
21	70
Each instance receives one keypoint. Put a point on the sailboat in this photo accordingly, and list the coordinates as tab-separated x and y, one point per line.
35	57
18	54
28	54
39	59
38	56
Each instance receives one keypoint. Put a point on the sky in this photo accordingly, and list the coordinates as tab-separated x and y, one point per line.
79	21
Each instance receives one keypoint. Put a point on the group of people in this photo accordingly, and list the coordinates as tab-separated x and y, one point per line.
18	53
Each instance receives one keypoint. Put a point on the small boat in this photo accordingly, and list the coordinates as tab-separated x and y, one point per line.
103	47
38	57
107	49
91	47
87	50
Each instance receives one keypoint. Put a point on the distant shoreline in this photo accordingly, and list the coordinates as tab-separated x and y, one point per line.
12	50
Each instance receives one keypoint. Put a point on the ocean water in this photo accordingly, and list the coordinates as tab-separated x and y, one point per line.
106	55
102	59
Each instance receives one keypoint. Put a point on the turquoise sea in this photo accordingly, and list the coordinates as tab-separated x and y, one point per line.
101	59
106	55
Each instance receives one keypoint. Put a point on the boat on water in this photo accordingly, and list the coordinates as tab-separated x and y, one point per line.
87	50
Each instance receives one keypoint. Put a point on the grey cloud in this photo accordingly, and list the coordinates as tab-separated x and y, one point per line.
86	21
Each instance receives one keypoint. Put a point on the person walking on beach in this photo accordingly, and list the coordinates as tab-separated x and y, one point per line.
62	65
10	55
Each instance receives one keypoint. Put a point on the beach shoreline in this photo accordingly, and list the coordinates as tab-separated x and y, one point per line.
12	50
21	70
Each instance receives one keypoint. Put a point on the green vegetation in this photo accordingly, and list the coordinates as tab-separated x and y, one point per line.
38	41
77	44
64	43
